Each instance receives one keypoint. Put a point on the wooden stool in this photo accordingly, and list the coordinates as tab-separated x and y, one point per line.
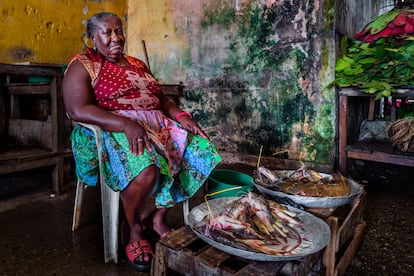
182	252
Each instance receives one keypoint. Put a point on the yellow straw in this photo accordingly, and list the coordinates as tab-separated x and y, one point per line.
260	156
279	152
215	193
300	158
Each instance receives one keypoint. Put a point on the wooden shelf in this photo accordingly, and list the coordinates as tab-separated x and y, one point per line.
379	152
349	121
22	158
27	143
28	89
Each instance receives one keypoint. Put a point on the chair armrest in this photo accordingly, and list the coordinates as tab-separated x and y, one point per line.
97	131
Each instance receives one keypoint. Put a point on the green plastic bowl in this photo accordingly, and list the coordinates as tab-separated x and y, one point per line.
221	179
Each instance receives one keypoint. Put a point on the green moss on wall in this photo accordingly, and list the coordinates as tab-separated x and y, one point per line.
261	91
320	146
220	13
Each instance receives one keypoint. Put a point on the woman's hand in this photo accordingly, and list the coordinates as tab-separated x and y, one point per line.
189	124
137	138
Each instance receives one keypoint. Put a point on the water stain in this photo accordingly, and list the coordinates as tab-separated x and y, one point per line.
20	53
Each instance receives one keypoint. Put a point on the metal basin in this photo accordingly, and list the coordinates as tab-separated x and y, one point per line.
315	202
314	229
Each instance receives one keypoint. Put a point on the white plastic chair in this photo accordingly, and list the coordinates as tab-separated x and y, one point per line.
110	206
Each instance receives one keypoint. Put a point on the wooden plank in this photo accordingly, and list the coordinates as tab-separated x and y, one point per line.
58	175
329	255
350	251
209	262
380	146
61	125
179	239
23	153
371	110
31	132
264	268
28	89
38	64
56	115
352	92
159	264
14	107
354	217
212	257
31	70
377	156
166	258
24	165
393	108
342	136
399	93
311	264
345	233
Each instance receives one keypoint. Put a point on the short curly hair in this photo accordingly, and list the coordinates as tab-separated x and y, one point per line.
94	21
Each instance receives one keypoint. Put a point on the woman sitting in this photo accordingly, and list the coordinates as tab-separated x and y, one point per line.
150	146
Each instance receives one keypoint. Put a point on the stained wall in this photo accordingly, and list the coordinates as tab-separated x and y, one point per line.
47	31
255	72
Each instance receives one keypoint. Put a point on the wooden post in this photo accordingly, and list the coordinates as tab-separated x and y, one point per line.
371	108
329	256
342	129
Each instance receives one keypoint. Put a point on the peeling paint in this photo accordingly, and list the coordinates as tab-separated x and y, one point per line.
49	31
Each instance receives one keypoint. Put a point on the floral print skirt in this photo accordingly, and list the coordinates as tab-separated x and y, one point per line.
184	160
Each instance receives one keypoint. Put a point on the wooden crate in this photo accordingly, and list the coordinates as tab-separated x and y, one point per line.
347	233
183	253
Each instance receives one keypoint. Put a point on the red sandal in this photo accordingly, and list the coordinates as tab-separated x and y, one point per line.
136	253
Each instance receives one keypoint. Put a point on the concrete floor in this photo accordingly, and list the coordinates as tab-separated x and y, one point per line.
36	236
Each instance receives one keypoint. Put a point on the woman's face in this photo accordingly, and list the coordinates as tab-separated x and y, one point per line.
109	39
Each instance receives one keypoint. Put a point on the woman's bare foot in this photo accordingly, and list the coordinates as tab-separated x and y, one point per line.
159	223
155	219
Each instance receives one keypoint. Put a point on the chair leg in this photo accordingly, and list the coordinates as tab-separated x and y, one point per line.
110	206
80	188
185	211
110	221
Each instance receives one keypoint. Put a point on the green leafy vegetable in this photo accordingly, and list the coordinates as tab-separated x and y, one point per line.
376	68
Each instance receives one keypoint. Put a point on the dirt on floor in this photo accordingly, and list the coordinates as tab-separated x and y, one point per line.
388	244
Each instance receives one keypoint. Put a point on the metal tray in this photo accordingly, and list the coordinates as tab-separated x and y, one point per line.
314	229
315	202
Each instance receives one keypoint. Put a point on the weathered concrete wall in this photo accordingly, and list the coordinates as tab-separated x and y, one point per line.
47	31
255	71
352	16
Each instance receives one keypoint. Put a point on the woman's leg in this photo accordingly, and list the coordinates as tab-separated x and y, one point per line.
133	200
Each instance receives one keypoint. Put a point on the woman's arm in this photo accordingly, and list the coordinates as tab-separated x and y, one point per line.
185	119
80	104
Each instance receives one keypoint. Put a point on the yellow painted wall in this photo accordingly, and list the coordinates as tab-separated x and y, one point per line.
155	22
47	31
